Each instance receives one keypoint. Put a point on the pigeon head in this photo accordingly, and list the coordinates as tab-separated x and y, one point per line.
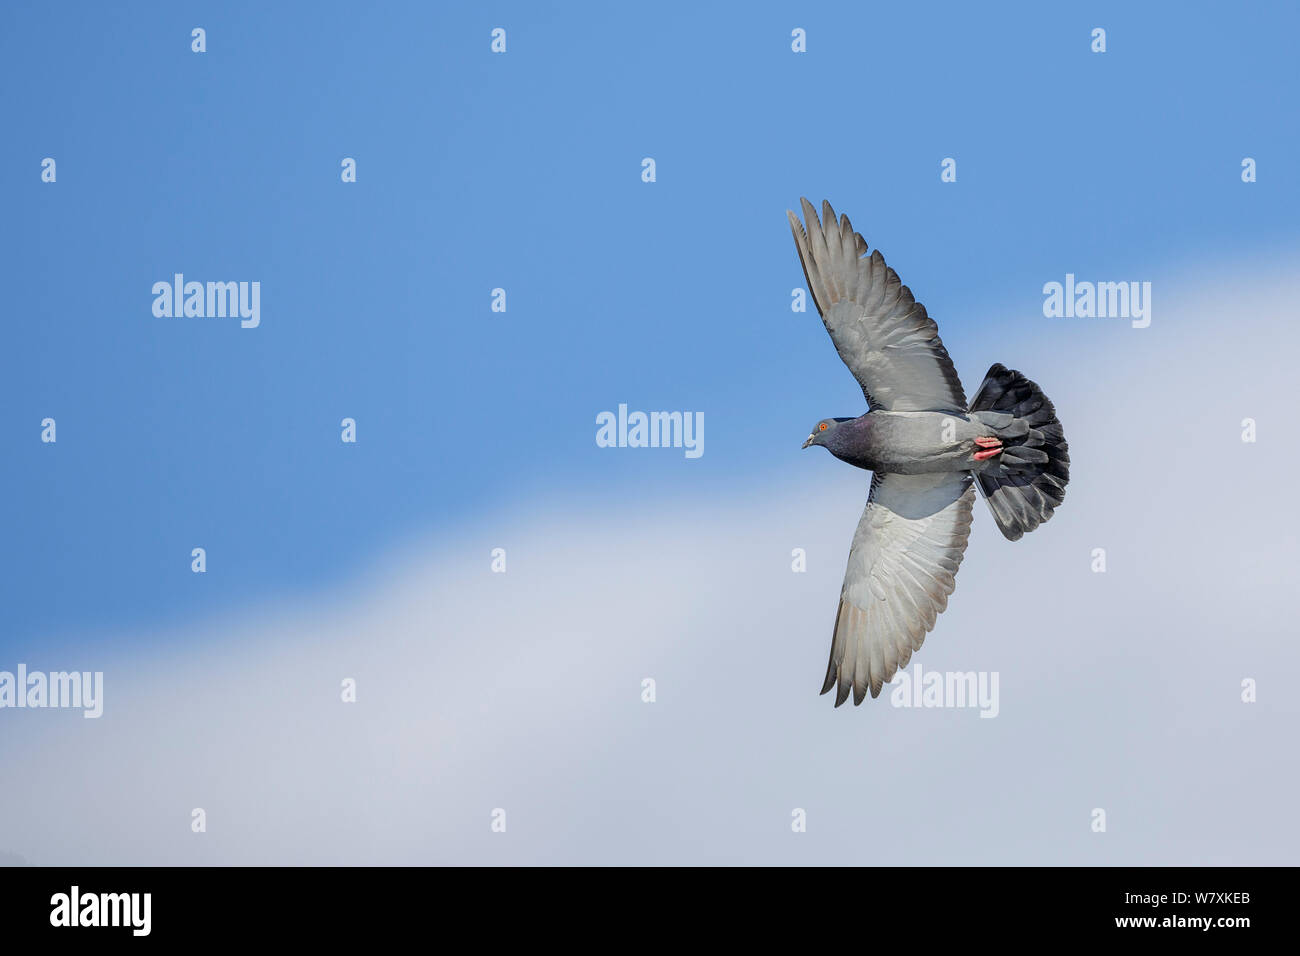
823	432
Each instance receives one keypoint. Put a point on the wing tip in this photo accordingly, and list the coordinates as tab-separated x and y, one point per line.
844	689
809	212
796	227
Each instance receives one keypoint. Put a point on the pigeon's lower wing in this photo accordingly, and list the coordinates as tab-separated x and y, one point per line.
885	337
902	568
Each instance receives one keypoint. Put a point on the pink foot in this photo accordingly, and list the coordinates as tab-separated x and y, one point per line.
990	446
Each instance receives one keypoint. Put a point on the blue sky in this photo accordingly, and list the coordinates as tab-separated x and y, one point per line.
522	171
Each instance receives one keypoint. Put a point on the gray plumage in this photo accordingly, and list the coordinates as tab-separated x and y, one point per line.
928	450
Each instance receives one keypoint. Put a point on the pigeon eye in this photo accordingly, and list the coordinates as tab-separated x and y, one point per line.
821	427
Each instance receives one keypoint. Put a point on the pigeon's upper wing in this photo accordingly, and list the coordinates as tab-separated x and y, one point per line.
884	335
905	554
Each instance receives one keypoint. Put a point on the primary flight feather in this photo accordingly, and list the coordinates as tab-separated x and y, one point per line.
928	450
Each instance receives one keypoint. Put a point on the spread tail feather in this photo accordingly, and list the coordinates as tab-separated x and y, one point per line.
1026	482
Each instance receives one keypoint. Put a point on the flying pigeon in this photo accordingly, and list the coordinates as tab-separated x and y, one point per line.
926	448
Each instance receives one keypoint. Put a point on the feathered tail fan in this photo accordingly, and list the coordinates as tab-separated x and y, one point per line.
1026	482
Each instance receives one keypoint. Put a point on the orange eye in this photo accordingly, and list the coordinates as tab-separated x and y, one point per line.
821	427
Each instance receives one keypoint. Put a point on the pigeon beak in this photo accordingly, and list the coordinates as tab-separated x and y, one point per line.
809	441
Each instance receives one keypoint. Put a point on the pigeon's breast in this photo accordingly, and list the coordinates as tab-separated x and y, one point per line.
915	443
